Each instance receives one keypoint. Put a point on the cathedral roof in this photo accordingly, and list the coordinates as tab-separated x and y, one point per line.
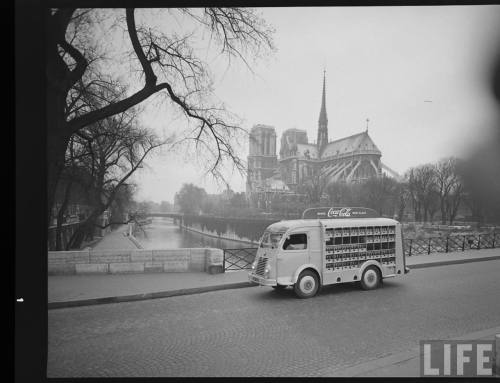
304	150
357	142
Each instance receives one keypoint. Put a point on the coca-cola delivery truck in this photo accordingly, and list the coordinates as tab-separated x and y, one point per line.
327	246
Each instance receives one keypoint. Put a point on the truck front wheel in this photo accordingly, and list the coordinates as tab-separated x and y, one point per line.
371	278
307	284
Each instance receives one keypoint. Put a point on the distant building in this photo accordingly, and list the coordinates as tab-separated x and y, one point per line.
350	159
262	159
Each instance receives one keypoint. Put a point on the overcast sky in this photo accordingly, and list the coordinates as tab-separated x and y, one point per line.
417	73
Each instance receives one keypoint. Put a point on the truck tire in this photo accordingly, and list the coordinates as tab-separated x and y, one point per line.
371	278
307	284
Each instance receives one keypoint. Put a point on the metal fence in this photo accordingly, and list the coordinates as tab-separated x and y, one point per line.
241	259
451	243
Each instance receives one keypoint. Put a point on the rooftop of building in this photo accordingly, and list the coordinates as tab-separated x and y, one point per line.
263	127
356	142
294	130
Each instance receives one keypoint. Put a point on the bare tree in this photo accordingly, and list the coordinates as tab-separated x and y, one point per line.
433	204
449	188
116	147
421	183
167	64
415	197
404	198
314	186
70	187
190	198
379	193
455	199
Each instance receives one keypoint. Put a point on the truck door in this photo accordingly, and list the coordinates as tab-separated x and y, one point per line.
294	252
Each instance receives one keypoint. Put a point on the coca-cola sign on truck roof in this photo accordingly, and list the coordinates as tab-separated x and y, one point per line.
339	212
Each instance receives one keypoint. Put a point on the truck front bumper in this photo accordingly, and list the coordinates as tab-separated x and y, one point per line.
261	280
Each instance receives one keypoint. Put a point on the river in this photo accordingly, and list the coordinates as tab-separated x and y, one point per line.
162	233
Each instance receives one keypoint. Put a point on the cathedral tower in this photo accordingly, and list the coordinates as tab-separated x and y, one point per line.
262	159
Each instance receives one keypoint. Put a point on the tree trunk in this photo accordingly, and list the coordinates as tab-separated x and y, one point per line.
84	231
443	211
454	208
401	213
57	143
419	212
55	166
426	213
60	215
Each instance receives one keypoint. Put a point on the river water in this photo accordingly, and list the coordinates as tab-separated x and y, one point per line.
162	233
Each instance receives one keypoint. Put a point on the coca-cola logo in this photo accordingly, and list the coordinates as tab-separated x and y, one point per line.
344	212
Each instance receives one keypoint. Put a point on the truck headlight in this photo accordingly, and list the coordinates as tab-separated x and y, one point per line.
254	264
267	269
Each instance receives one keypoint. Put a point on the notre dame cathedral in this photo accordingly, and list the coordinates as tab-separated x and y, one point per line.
350	159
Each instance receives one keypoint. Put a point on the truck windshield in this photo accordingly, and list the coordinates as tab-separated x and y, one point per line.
270	240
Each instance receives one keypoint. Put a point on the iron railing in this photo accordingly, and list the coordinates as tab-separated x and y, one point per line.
242	259
451	243
239	259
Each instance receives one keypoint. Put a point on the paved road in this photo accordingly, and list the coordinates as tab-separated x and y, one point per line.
262	332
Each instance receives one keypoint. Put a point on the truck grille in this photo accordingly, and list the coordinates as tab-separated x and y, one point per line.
261	265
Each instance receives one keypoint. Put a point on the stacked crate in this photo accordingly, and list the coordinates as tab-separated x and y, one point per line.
348	248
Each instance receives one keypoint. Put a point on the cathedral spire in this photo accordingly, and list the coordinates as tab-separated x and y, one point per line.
323	119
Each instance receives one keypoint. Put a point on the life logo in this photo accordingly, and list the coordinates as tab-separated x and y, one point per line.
460	357
344	212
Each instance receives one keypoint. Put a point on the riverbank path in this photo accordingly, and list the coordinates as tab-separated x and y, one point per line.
114	240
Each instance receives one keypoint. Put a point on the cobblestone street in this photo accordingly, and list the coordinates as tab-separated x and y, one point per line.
261	332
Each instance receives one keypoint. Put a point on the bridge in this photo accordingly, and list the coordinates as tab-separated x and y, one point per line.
168	215
177	217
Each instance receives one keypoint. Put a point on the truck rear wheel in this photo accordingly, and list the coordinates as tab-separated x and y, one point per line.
307	284
371	278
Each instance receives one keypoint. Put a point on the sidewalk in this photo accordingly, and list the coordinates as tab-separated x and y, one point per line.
79	290
76	288
439	259
115	240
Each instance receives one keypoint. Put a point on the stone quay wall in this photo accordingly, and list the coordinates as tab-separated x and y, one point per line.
229	235
135	261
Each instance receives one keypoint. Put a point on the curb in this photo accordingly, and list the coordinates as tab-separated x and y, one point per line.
453	262
140	297
228	286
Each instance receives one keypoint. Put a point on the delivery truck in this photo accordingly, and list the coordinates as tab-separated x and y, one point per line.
329	245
